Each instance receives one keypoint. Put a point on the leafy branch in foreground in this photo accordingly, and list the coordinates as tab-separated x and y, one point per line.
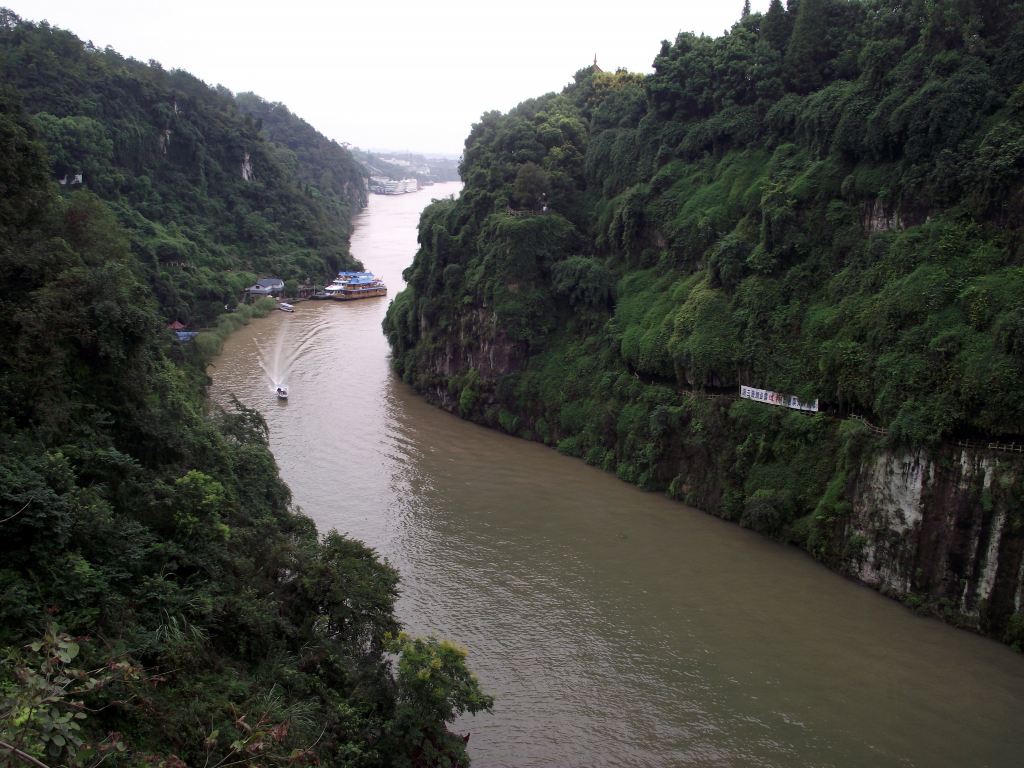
41	712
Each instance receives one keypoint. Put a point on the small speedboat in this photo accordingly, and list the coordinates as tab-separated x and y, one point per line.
282	393
285	307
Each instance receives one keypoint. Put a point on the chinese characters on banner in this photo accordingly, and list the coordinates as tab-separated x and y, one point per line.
777	398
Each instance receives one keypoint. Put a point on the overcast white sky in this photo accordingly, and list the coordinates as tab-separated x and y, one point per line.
388	74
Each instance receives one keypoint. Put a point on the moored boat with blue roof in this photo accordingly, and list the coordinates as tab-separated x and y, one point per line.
356	285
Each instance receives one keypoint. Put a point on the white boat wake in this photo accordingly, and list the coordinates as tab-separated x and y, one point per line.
278	364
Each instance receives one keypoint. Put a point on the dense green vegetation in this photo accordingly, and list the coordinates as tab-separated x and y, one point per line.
209	202
160	602
826	201
326	170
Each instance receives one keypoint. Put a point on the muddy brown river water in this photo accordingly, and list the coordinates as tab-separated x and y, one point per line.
614	627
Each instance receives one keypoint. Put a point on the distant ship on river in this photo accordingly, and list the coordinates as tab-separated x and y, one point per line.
385	186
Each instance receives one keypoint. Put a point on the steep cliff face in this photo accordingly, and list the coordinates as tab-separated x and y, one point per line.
626	254
946	529
480	344
477	344
940	529
943	531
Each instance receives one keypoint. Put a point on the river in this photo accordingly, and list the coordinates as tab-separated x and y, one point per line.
614	627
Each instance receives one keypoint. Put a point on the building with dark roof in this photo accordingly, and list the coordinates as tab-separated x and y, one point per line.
266	286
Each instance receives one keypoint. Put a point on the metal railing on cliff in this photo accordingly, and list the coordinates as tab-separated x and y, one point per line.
875	429
990	446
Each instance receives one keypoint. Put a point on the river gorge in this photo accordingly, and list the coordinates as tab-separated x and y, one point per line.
614	627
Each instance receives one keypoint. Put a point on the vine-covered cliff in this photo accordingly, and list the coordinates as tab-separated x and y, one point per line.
826	202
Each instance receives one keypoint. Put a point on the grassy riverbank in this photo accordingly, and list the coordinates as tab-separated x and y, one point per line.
210	340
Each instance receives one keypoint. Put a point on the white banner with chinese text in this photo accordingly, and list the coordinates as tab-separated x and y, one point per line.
777	398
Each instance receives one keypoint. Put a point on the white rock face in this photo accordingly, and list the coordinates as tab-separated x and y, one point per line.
247	174
887	513
932	528
878	219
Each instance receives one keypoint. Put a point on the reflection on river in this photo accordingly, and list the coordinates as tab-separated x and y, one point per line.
615	628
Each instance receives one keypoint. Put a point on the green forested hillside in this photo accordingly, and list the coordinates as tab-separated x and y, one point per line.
161	604
325	168
208	201
826	201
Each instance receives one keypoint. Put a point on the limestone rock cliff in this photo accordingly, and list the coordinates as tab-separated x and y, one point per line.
943	531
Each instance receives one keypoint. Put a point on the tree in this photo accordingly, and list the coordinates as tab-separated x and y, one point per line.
23	172
776	26
79	145
531	186
434	687
808	46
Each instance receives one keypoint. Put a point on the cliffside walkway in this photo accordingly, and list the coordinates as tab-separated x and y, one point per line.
978	445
